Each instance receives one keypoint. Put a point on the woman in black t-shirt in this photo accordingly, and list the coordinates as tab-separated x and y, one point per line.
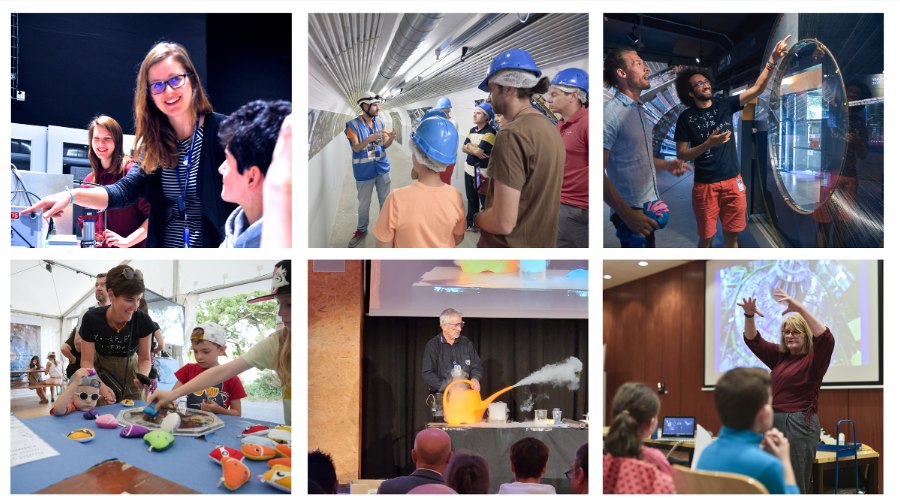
115	340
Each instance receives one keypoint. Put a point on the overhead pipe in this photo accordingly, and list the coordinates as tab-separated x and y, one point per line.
413	29
345	44
542	40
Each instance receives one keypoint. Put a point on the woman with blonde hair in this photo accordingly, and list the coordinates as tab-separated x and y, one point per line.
125	227
798	365
177	149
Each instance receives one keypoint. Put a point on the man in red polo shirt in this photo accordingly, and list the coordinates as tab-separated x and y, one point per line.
568	97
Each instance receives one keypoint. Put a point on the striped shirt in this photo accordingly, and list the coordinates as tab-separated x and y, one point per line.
174	236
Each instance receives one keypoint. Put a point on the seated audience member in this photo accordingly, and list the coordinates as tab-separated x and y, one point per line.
249	136
277	191
82	394
747	443
432	489
528	461
431	453
322	476
223	398
468	473
430	213
628	465
578	475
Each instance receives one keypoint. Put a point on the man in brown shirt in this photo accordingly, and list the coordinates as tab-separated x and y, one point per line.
526	166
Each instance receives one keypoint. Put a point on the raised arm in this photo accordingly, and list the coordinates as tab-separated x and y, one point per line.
750	310
777	53
815	325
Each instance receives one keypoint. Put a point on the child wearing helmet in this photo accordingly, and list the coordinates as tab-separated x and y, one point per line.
428	213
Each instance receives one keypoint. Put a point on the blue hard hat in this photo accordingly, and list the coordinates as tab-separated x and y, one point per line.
573	77
443	103
434	112
515	59
487	108
438	139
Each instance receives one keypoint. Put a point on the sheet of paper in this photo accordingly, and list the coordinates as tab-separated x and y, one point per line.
26	446
704	439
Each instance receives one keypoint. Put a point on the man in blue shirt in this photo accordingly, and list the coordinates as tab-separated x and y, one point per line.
371	168
629	169
747	443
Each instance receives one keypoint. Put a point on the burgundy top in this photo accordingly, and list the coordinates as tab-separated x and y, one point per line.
121	221
796	380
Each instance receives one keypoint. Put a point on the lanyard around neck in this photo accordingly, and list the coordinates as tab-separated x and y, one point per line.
182	205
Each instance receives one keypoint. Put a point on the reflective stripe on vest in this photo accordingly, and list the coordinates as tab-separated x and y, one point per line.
365	160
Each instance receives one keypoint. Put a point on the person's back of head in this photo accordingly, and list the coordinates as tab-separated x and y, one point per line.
468	473
742	397
634	410
528	459
432	450
578	480
250	133
322	472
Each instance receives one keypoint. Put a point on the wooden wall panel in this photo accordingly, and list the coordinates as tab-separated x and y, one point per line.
867	412
335	365
663	337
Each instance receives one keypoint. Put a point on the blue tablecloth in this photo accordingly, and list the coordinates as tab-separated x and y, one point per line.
186	462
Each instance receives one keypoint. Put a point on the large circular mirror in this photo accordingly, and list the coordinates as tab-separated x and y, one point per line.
807	125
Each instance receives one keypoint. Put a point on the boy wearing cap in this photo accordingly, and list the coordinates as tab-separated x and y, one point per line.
208	342
429	213
478	146
82	393
526	168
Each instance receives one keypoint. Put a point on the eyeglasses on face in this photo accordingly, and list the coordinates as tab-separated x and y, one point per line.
795	334
174	82
459	324
571	473
702	83
84	396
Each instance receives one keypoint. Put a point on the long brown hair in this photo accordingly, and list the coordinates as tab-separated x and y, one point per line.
117	164
634	405
282	364
155	144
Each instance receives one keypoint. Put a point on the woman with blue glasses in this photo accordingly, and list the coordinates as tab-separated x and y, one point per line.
178	152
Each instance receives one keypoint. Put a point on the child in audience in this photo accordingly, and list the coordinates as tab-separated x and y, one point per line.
272	353
628	463
82	393
747	443
224	398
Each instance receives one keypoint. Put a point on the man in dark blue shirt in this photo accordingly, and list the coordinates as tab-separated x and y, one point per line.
703	135
478	146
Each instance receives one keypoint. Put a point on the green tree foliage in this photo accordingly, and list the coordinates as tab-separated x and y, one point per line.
245	323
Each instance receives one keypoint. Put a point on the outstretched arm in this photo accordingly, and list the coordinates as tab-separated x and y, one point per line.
777	53
206	379
815	325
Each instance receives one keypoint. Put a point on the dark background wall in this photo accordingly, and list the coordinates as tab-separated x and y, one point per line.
75	66
653	331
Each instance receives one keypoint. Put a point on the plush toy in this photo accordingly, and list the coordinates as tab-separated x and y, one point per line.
159	440
283	428
257	451
81	435
127	402
107	421
258	440
279	435
283	450
256	430
280	461
225	452
171	423
278	477
134	431
90	415
151	410
234	474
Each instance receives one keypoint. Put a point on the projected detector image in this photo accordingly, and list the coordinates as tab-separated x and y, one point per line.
516	288
832	290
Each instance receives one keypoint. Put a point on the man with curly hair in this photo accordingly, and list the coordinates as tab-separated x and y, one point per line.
703	135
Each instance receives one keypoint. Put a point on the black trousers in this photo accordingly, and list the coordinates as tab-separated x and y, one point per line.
473	198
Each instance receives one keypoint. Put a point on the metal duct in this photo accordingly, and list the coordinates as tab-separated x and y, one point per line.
413	29
551	39
345	46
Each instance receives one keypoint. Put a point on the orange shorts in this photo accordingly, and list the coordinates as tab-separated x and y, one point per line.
724	199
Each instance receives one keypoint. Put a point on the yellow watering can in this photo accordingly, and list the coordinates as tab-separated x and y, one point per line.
466	406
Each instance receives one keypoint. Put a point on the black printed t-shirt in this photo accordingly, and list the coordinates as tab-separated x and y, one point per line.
106	341
696	124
